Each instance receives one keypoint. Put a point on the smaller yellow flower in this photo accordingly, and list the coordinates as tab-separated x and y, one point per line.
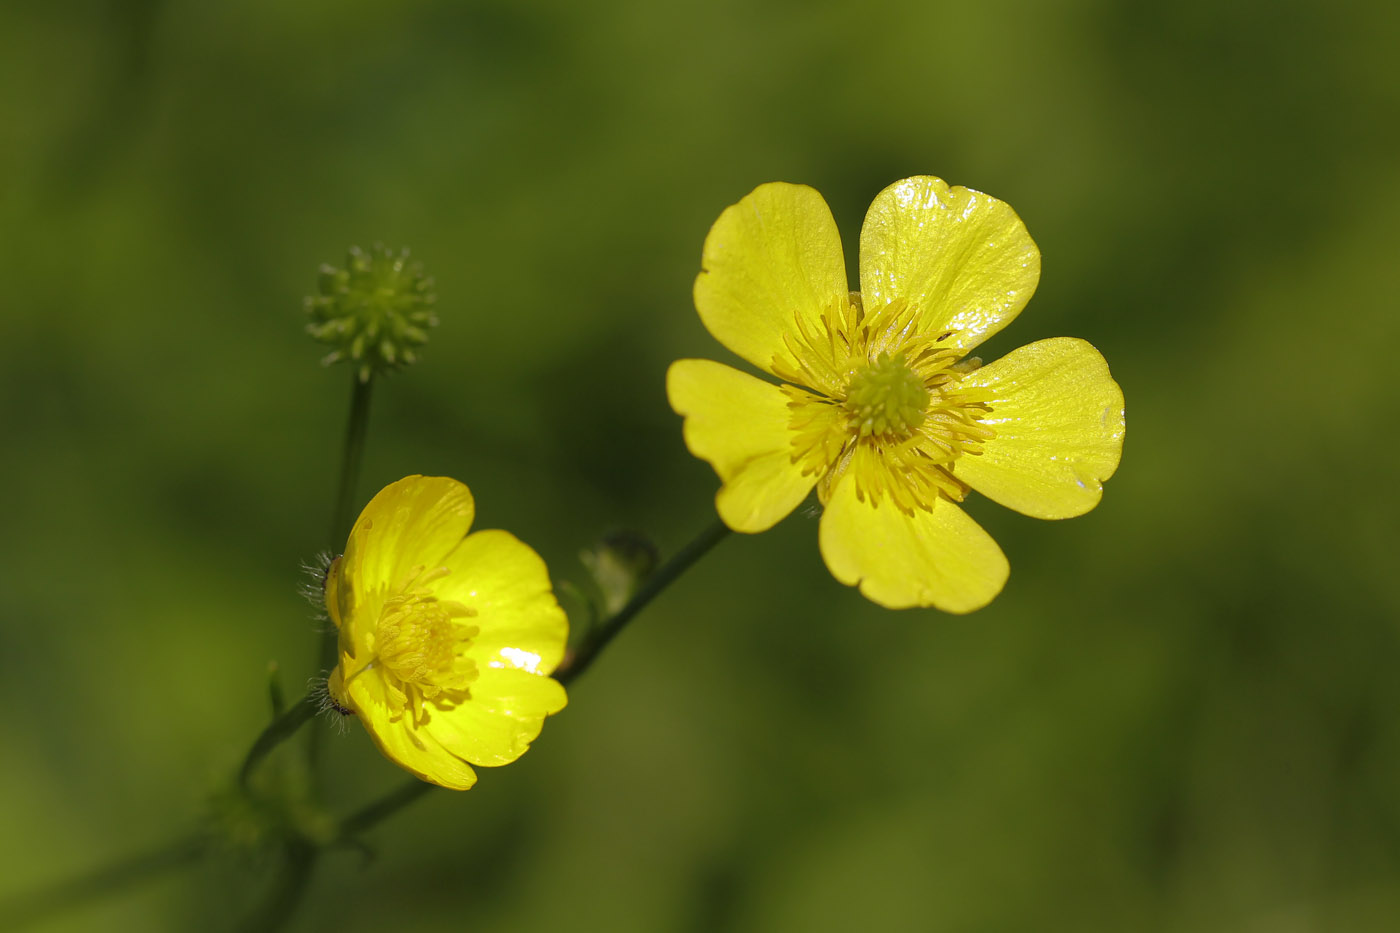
879	407
447	639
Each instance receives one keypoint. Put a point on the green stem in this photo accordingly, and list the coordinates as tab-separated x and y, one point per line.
277	732
383	808
36	907
288	889
356	429
274	691
572	668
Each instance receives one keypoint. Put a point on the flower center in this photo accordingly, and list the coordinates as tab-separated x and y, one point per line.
887	399
889	406
417	637
420	649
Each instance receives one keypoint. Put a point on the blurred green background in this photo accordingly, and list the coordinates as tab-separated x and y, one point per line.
1180	715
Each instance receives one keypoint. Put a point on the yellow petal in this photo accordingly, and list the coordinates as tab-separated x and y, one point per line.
504	715
506	584
773	256
963	259
415	522
408	746
1058	417
739	424
517	693
938	558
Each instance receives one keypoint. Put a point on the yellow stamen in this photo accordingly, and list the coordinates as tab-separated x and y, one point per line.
891	409
420	648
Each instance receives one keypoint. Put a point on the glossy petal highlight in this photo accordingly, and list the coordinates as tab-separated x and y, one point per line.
519	622
740	425
773	257
938	557
1059	422
963	259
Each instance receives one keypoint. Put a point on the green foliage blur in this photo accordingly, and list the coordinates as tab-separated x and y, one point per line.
1183	712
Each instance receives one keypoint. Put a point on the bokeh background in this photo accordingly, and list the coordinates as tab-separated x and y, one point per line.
1180	715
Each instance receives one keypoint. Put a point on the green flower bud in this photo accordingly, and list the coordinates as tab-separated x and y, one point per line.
619	565
376	311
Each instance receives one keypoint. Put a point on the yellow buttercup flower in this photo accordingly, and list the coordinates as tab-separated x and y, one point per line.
880	408
447	639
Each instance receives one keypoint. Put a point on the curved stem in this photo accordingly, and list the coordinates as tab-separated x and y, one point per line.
383	808
573	667
277	732
35	907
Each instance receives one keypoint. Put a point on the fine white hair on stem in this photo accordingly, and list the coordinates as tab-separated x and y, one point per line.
313	586
326	706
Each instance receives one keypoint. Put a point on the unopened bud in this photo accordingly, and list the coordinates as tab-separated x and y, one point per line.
376	311
619	564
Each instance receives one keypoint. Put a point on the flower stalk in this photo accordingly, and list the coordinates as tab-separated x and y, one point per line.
277	732
352	455
356	429
575	664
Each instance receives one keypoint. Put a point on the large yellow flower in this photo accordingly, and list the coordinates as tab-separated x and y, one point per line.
447	640
879	408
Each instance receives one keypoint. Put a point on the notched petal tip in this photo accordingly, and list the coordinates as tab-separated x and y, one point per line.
774	255
1060	422
936	558
962	257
